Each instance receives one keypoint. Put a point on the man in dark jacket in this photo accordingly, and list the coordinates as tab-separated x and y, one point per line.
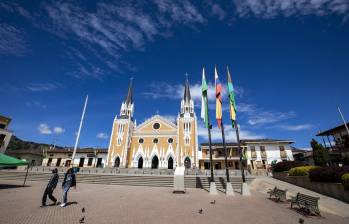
68	182
50	188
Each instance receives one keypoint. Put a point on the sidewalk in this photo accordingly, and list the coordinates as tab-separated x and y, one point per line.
327	204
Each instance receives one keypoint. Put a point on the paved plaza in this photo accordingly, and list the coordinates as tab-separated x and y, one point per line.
126	204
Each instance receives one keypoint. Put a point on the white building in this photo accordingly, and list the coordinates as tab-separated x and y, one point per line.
87	157
259	154
5	134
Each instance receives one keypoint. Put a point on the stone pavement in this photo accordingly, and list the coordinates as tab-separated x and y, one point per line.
326	204
125	204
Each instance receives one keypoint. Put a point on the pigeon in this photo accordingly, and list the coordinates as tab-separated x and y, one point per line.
301	221
213	202
82	220
83	210
200	211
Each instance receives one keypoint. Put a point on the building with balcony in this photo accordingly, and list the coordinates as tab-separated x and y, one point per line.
337	138
86	157
260	153
5	134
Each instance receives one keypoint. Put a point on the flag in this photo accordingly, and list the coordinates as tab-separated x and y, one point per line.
218	98
204	109
231	99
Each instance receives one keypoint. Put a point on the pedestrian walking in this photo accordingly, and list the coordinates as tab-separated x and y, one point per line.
68	182
52	184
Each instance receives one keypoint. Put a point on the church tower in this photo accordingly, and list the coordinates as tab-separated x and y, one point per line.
187	148
120	139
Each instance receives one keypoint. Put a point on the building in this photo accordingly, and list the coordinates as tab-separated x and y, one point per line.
337	138
259	153
5	134
86	157
157	142
34	158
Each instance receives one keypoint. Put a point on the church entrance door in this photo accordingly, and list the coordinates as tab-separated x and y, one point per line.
187	163
117	162
140	163
170	163
155	162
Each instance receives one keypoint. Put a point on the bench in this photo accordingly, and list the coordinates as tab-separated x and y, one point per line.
307	202
279	194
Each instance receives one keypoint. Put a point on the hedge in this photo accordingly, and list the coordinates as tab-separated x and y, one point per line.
328	174
345	181
301	170
286	165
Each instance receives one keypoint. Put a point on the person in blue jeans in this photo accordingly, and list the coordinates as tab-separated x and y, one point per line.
68	182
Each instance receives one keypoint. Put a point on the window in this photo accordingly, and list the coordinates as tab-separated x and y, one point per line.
155	140
90	160
156	126
119	141
141	140
170	140
262	148
282	148
187	140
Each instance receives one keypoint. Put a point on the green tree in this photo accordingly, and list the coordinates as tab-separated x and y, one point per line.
320	154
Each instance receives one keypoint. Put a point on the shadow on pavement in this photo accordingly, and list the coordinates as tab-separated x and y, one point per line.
9	186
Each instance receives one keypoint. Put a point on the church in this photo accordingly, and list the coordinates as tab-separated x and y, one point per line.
157	142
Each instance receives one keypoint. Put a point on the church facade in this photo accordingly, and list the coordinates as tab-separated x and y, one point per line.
157	142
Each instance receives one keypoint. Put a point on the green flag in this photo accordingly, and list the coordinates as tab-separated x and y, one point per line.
204	107
231	98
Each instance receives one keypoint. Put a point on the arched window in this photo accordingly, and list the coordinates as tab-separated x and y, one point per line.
155	162
170	163
140	163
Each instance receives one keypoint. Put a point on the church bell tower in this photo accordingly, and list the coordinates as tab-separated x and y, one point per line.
120	139
187	149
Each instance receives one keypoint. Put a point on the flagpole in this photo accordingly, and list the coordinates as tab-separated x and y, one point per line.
209	142
225	152
78	135
240	151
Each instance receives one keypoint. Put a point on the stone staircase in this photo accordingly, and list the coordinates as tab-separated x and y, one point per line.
190	181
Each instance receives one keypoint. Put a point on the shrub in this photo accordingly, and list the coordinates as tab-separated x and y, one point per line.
286	165
328	174
345	181
301	170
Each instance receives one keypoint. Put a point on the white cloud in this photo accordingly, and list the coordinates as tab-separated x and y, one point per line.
40	87
35	104
267	9
230	133
44	129
171	118
299	127
12	40
58	130
102	136
268	117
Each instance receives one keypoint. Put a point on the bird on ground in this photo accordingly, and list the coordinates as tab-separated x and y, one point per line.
82	220
213	202
200	211
83	210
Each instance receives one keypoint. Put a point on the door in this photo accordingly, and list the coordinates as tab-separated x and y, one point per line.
140	163
155	162
99	162
187	163
170	163
49	162
117	162
81	163
67	163
58	161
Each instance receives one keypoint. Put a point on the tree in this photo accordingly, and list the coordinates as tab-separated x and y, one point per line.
320	154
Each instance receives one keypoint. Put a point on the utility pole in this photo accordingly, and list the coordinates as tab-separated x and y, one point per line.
345	123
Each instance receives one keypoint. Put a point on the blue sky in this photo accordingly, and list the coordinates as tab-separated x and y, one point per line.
288	59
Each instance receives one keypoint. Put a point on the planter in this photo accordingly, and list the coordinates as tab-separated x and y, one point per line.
334	190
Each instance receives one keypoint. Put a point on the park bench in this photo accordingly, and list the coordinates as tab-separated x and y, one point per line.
280	195
309	203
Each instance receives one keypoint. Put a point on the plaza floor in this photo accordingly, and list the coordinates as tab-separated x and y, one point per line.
125	204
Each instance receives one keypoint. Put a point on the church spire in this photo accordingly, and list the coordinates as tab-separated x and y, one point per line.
187	96
129	97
